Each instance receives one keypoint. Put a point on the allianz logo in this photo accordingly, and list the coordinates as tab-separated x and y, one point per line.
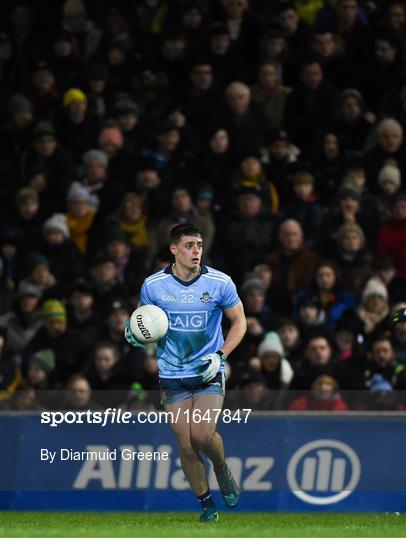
323	472
250	473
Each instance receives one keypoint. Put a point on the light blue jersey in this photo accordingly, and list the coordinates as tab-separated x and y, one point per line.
195	310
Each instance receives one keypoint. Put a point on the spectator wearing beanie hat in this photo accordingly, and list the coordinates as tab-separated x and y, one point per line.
82	314
374	307
275	368
56	224
28	219
66	262
353	123
37	272
55	336
389	182
80	216
40	370
100	181
382	396
78	128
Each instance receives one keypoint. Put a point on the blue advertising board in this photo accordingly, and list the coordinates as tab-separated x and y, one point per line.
283	463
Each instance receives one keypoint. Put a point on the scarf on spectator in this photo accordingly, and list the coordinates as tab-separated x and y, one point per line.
137	231
79	228
371	319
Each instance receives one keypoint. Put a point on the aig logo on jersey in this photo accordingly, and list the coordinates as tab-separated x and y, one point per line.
187	321
322	472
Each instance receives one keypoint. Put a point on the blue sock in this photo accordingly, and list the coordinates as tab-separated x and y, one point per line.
206	500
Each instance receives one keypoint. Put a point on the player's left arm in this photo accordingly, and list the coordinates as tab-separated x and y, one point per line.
238	327
237	330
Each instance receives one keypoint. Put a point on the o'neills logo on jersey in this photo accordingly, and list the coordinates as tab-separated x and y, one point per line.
144	331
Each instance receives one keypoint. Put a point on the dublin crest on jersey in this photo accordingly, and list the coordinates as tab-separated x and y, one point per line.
205	297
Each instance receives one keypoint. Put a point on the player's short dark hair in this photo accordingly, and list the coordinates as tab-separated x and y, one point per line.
183	229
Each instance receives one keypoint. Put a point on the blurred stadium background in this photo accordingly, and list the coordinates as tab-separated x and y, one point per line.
278	128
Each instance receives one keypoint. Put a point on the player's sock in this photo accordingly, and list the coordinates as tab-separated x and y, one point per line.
209	508
206	500
228	486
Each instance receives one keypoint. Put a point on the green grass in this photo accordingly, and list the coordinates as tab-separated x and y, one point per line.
137	524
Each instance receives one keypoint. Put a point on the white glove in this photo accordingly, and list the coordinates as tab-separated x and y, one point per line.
215	360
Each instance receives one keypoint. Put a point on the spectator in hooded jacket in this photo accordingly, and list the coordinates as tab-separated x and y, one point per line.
24	320
48	168
275	368
65	259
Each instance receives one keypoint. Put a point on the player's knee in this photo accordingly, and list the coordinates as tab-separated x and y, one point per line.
202	438
186	446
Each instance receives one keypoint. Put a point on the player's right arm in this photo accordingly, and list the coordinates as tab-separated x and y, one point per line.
129	336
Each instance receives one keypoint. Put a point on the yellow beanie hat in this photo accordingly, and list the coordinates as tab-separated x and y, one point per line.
74	94
53	309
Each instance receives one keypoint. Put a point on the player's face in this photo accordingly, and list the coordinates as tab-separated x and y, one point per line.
188	252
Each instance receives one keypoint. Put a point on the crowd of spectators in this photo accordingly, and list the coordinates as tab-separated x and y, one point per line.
277	127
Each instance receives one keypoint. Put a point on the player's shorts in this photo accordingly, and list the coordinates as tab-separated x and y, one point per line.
173	390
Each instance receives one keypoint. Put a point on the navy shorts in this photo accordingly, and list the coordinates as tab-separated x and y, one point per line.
173	390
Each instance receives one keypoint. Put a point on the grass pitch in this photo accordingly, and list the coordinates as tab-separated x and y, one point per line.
137	524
